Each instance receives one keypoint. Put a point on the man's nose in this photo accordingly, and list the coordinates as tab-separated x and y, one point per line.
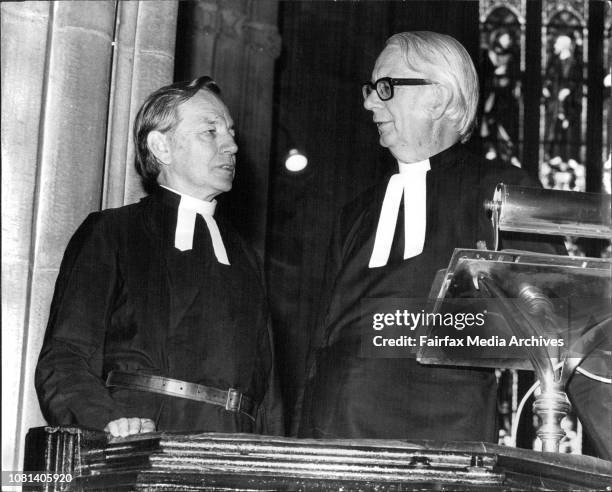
372	101
228	145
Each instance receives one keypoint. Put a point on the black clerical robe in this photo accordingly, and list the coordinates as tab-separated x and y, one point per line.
127	299
351	396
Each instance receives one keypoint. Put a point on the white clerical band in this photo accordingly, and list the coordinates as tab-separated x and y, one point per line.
188	208
411	183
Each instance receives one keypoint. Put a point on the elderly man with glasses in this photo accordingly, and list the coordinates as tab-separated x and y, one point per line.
423	99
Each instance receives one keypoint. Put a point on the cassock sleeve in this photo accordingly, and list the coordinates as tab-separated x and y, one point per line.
68	376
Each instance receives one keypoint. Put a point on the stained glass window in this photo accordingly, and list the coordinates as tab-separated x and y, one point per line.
563	108
607	116
502	64
606	185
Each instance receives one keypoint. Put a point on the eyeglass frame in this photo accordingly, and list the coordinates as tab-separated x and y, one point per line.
373	86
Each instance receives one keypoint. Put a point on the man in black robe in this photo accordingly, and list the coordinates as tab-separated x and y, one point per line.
423	99
159	318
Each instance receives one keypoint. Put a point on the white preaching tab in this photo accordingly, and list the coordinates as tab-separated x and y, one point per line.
188	208
411	183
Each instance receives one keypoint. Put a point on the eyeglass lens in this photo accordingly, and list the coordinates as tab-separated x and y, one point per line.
383	89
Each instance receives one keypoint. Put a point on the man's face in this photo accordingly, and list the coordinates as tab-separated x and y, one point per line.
201	148
403	123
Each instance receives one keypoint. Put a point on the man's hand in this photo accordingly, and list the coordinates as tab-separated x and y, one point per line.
126	427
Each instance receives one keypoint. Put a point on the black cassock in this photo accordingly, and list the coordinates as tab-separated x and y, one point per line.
127	299
365	397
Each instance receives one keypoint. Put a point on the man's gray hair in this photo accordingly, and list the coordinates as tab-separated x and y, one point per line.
443	59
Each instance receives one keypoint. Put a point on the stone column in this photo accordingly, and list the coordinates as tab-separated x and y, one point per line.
58	95
144	62
262	48
24	45
57	81
200	22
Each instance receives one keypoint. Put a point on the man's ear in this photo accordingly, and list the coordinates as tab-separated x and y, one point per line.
158	145
439	102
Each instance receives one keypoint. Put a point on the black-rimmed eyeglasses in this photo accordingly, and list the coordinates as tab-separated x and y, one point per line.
384	86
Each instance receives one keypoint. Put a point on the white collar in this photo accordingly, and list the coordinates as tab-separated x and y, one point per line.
411	183
414	167
194	204
188	209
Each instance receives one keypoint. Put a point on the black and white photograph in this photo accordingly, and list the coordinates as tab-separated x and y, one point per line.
306	245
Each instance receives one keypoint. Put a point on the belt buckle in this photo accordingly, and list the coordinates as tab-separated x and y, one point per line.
234	400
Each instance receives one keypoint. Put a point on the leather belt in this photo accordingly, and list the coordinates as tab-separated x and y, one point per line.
232	400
